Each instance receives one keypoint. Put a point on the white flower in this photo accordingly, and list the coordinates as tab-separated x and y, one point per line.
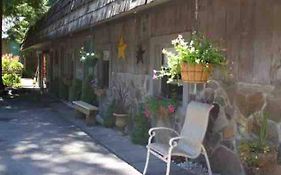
83	58
192	49
93	54
191	43
87	54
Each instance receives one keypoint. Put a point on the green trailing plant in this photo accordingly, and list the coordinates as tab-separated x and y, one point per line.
12	70
75	90
198	50
141	127
88	94
88	57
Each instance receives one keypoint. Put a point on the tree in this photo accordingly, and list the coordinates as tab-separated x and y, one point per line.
23	14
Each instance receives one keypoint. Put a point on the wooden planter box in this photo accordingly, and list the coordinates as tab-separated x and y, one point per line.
195	73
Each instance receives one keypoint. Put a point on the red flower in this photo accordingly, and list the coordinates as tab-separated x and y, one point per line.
171	108
147	113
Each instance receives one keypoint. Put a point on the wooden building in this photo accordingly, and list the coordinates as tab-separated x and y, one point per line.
248	30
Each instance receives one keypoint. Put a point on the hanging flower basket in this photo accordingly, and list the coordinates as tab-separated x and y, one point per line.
195	73
193	60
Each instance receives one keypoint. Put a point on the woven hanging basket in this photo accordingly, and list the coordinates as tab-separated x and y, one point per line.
195	73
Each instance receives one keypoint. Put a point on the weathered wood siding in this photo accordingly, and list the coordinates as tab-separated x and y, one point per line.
250	33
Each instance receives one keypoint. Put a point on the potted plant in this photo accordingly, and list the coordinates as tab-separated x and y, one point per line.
257	155
121	93
160	107
193	61
88	57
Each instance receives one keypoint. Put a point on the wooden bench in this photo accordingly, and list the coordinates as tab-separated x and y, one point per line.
87	109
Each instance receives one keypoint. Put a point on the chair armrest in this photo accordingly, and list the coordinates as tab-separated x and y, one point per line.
151	132
174	141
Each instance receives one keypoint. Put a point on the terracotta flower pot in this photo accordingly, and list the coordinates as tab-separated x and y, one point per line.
195	73
121	120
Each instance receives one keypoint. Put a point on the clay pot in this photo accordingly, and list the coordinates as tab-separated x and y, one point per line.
121	120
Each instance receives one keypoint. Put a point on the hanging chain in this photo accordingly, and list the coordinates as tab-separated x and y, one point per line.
196	14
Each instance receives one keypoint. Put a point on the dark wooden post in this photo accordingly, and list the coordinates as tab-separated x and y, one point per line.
40	75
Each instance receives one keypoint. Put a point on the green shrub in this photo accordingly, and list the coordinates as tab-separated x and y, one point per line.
88	95
109	119
63	91
140	132
54	87
11	80
75	90
12	70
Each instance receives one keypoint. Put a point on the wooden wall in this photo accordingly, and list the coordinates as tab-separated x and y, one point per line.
249	30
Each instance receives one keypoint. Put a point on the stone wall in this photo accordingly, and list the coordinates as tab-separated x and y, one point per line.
236	108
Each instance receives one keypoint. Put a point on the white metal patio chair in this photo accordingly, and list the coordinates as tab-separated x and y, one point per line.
188	143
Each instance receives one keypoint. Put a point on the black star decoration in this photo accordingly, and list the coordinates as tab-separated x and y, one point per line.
140	53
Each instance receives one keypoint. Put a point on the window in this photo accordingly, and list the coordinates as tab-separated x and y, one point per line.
169	90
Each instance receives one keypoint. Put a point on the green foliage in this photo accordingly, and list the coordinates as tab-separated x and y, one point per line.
12	70
75	90
153	106
88	57
263	130
88	94
109	119
63	91
251	152
140	132
11	80
22	14
198	50
11	64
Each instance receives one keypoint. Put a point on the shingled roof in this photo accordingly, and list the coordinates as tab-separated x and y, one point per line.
70	16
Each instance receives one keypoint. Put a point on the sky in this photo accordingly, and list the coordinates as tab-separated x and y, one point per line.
6	25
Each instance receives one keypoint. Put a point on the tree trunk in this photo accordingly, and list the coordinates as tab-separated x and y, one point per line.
1	80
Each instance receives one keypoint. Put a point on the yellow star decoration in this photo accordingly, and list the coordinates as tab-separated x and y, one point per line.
121	48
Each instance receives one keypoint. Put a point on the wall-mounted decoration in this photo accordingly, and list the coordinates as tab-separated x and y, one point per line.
122	48
106	55
140	53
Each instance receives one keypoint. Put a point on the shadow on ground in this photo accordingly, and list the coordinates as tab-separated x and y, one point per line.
35	140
